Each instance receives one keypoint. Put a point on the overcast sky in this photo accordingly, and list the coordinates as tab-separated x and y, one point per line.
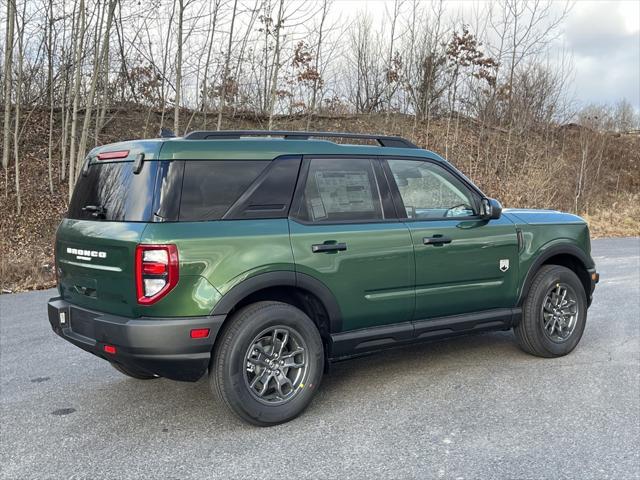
605	40
602	36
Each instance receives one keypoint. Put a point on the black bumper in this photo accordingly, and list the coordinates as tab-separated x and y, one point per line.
160	346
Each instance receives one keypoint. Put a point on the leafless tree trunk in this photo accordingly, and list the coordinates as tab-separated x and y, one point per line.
104	82
8	74
98	60
176	108
276	63
390	68
316	81
225	75
78	42
16	132
51	93
205	87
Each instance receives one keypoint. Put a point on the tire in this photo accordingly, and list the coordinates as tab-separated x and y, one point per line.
252	338
545	305
137	374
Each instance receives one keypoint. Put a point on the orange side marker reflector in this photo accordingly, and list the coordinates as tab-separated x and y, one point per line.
200	333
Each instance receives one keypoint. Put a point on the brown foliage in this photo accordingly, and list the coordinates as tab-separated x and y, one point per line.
539	173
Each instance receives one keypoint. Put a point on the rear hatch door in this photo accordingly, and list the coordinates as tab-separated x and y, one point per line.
109	210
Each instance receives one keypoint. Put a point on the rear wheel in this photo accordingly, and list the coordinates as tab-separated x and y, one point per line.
268	363
554	313
133	373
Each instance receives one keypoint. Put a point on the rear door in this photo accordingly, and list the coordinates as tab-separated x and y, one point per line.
463	263
343	233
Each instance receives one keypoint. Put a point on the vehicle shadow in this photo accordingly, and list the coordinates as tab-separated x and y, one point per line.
170	407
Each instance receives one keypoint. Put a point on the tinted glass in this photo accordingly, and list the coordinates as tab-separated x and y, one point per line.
341	190
430	191
111	192
271	194
209	188
168	191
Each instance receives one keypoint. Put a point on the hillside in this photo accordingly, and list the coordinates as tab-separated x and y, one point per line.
570	168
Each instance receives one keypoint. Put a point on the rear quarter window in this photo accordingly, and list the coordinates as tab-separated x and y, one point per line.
209	188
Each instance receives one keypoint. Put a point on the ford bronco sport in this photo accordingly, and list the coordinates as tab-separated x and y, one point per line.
262	256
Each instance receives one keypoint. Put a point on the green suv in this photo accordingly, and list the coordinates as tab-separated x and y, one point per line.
261	256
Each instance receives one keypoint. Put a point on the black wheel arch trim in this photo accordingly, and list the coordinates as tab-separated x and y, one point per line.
282	278
552	251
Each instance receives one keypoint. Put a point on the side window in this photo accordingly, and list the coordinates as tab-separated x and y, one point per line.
343	189
429	191
270	195
210	187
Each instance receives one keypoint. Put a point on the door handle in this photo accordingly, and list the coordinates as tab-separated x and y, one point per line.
328	247
436	240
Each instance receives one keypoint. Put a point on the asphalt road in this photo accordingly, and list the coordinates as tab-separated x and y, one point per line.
473	407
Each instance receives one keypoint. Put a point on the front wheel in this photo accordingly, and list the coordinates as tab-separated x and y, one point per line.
554	313
268	363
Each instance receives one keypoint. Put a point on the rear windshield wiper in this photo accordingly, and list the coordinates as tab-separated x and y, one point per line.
97	211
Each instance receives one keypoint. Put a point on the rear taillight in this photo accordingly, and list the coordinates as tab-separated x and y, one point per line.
156	272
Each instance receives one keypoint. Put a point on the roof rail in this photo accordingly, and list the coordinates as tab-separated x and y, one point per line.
383	140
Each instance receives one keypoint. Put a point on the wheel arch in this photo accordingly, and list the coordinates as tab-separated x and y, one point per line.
298	289
566	255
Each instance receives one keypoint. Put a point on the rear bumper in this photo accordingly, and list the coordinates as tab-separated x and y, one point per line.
161	346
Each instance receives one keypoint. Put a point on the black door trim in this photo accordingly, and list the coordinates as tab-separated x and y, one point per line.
356	342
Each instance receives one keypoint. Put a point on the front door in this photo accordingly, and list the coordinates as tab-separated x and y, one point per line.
463	263
343	233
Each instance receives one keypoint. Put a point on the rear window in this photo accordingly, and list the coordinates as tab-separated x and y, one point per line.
209	188
110	191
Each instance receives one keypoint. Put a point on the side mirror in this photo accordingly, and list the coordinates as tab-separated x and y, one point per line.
490	209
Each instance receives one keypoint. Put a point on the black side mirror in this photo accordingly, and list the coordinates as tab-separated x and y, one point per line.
490	209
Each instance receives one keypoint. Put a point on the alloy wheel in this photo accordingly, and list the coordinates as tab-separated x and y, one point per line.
559	314
275	365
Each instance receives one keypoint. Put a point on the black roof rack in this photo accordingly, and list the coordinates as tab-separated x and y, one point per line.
383	140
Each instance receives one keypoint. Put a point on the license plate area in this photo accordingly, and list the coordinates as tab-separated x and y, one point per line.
82	323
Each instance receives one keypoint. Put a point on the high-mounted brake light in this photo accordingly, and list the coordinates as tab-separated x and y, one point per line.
113	155
157	272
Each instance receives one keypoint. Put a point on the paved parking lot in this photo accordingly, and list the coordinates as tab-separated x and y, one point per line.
473	407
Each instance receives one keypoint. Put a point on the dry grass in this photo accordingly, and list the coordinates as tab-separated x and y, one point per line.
29	273
537	171
618	220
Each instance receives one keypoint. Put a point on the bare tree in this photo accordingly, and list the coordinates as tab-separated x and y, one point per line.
317	80
98	60
176	108
8	74
215	7
78	47
21	21
275	69
225	75
51	90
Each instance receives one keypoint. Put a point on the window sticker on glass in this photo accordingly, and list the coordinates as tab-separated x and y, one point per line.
317	209
345	191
